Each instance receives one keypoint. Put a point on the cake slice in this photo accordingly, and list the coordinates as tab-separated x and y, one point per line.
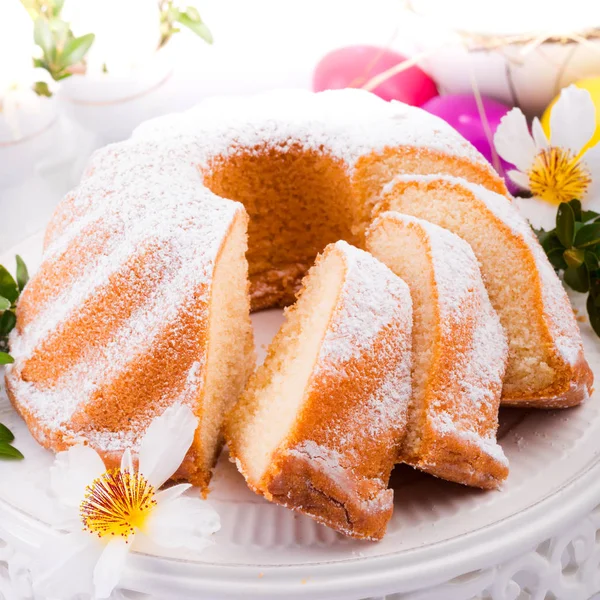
320	424
119	325
546	366
459	352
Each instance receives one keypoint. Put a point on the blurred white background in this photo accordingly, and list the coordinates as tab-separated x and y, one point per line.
258	45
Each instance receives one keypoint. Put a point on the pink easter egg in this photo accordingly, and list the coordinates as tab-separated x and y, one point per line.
353	66
461	111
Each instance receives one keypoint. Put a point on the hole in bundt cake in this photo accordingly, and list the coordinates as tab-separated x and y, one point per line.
298	201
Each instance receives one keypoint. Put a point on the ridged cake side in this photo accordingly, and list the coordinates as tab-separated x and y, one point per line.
116	325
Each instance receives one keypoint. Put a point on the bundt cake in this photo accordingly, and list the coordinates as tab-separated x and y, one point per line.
141	300
546	366
320	425
459	352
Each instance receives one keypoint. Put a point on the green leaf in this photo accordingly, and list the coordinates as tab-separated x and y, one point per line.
550	241
5	303
592	261
198	27
42	36
589	215
576	206
588	235
75	50
192	13
6	435
6	359
10	452
578	278
8	286
41	89
8	320
542	234
556	258
61	32
574	257
594	314
22	273
565	224
58	5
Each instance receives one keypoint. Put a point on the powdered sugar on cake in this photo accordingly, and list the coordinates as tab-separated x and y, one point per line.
371	300
345	123
359	319
182	224
463	395
460	292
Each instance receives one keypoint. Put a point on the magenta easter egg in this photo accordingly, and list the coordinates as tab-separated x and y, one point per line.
353	66
461	111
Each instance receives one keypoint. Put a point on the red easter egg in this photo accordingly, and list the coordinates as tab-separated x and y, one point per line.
353	66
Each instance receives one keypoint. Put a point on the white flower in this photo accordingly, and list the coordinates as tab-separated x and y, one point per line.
109	512
127	32
554	170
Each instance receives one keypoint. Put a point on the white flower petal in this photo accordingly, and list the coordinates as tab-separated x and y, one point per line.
591	161
173	492
513	141
63	566
183	523
73	471
166	443
539	137
127	461
573	119
110	566
541	214
519	178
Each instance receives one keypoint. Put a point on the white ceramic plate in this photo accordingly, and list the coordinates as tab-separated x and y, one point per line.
439	530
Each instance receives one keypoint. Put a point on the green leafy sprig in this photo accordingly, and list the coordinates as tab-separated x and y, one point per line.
10	290
7	450
573	248
171	16
61	50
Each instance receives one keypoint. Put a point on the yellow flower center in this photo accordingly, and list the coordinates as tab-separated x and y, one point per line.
557	176
117	503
